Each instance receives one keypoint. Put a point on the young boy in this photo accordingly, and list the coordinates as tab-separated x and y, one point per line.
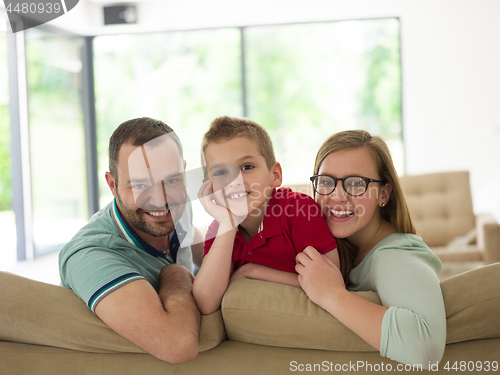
274	224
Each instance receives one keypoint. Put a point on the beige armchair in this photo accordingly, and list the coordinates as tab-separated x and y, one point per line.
441	206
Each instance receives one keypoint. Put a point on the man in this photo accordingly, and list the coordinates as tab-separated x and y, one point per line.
128	263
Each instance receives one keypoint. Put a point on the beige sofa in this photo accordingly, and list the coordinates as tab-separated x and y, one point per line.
441	206
262	328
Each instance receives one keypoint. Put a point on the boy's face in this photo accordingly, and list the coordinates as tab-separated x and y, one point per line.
239	174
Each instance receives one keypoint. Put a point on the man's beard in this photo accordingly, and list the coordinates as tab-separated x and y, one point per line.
135	218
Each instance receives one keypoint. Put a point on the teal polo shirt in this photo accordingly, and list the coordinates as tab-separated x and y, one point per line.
107	254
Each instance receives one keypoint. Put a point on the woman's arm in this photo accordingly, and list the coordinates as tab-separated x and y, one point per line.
359	315
322	280
412	330
414	327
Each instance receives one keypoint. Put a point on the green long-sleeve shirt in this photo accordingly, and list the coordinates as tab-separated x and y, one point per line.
403	271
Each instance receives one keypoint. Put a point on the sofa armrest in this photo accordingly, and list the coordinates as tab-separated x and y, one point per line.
488	237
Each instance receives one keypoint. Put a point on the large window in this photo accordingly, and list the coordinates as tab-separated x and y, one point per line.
7	219
308	81
56	136
303	82
183	78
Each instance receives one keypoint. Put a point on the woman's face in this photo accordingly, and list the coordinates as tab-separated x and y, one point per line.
351	217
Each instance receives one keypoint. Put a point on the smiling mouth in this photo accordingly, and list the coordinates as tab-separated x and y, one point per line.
341	213
158	213
237	196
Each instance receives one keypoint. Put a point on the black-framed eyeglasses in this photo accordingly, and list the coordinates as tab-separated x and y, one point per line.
353	185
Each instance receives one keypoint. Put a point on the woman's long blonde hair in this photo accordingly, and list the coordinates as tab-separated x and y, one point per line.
395	211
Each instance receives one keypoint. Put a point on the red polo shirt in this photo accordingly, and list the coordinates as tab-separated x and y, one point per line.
292	222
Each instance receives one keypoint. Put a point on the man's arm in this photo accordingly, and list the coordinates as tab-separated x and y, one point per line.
165	325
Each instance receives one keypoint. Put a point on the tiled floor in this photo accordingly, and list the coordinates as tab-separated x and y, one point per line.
44	268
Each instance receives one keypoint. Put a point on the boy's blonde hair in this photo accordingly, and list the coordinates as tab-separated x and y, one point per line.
396	210
225	128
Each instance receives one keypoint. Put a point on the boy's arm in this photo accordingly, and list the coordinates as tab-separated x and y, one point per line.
260	272
333	255
197	247
212	279
264	273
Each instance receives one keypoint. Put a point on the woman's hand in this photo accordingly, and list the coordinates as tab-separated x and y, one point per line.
319	277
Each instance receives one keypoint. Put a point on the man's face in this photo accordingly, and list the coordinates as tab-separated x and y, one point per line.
151	193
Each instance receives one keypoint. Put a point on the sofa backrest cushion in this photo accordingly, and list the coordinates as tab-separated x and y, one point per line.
440	205
32	312
254	311
472	302
260	312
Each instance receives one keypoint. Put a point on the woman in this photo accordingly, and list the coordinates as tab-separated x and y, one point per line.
358	189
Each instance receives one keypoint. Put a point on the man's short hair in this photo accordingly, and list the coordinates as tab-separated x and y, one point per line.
137	132
225	128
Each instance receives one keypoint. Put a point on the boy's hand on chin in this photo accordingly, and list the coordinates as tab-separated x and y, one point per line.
219	213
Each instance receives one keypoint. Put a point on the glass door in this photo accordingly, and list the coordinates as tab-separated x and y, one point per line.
56	138
7	218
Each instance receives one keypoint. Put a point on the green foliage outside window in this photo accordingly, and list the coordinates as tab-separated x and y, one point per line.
185	79
380	98
5	175
308	81
304	82
57	151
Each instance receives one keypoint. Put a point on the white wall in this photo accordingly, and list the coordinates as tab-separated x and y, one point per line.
450	57
451	78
